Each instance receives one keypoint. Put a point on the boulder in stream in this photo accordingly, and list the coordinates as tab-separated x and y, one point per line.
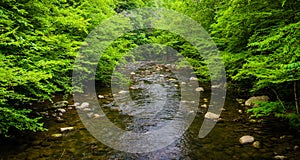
246	139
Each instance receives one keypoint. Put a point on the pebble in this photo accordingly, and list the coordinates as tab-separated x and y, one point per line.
280	157
59	120
246	139
61	110
83	105
95	116
256	144
66	129
87	109
115	108
123	92
212	116
57	135
193	79
199	89
90	115
76	104
100	96
203	106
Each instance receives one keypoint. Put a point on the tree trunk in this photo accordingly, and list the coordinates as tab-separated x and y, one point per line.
296	97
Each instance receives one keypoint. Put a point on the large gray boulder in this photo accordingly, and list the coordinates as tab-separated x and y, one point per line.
250	101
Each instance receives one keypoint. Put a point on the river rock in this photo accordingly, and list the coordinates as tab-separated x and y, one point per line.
100	96
199	89
60	104
83	105
61	110
76	104
171	80
90	115
59	120
256	144
56	135
250	101
246	139
123	92
66	129
193	79
203	106
240	101
216	86
115	108
280	157
212	116
87	109
95	116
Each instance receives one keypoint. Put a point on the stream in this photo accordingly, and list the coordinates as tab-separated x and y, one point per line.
155	95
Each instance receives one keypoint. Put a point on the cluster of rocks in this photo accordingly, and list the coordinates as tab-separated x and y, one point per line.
247	139
90	112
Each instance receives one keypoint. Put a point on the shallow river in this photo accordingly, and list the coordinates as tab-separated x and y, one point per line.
155	98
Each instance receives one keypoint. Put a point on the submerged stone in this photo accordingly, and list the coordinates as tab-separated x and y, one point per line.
57	135
246	139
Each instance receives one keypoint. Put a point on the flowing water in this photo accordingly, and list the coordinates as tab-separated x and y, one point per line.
155	97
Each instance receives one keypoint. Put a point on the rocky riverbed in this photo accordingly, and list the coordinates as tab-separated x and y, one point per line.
235	136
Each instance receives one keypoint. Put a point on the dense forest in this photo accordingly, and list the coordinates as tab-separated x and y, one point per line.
259	42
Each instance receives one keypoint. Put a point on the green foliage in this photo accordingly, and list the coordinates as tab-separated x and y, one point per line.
293	118
38	43
264	109
259	41
18	119
39	40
